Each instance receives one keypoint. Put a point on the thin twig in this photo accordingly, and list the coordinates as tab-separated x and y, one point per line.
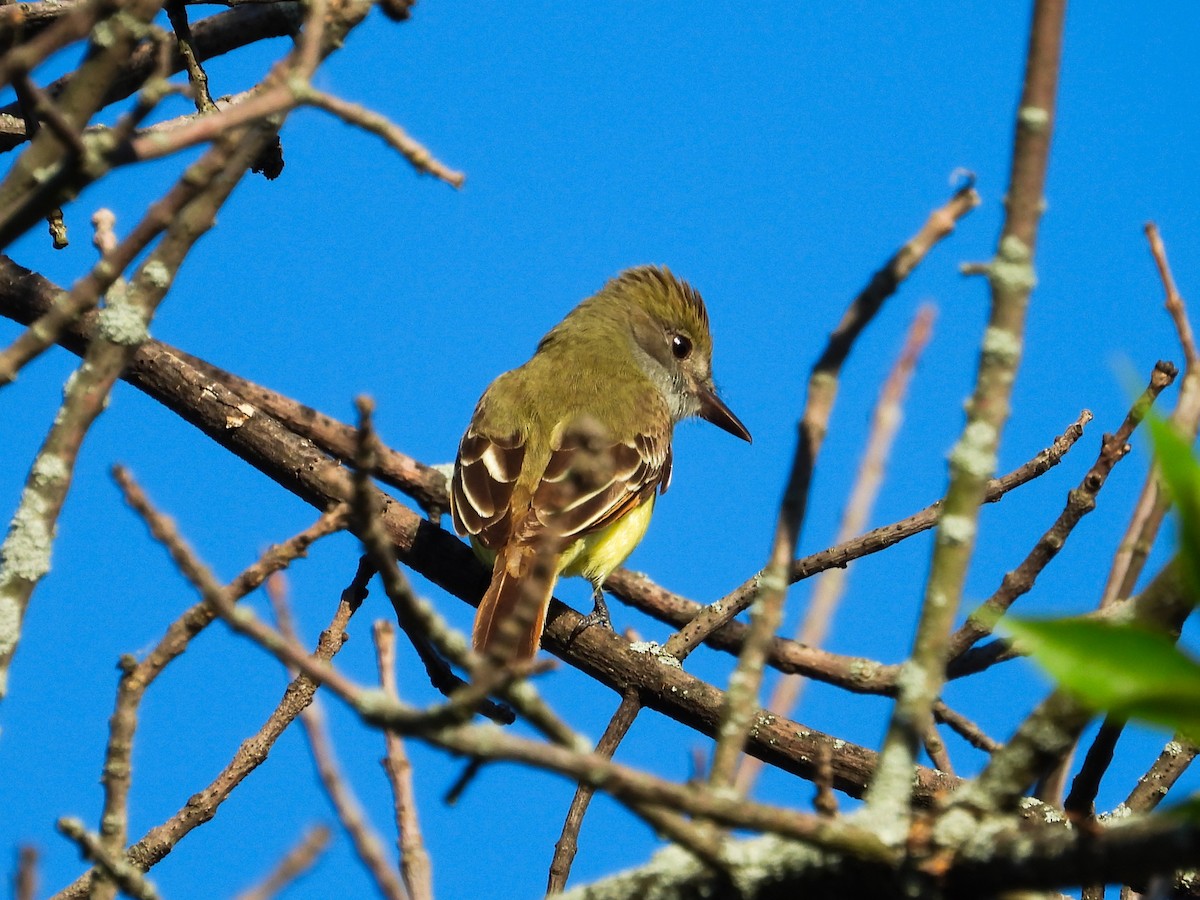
25	884
177	15
1080	502
885	422
1152	787
965	728
292	866
1174	301
163	838
126	875
936	749
825	800
741	698
567	844
1081	801
1153	502
973	460
415	866
277	97
363	836
396	137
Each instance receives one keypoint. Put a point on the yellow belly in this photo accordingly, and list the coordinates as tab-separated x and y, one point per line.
596	555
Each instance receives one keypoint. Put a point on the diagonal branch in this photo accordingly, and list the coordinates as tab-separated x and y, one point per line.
1080	502
973	460
742	696
295	464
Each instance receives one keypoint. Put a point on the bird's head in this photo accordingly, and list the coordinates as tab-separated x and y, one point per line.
672	342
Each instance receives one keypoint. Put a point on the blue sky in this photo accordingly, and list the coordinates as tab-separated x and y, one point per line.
774	158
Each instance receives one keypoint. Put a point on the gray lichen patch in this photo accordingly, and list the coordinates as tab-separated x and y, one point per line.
122	322
25	553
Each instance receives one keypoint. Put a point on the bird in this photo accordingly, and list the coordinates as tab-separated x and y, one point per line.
630	362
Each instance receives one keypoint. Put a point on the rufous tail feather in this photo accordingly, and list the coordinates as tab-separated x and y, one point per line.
512	613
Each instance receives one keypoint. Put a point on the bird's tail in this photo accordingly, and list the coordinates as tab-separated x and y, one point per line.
512	613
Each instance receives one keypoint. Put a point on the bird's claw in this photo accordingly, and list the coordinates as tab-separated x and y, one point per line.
598	616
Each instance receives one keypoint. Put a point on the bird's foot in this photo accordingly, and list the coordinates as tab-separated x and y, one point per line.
598	616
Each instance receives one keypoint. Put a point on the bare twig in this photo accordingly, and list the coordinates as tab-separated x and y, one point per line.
936	749
203	805
118	774
414	858
363	836
294	864
973	460
567	844
1153	502
277	97
742	696
825	800
1174	302
821	607
1080	801
1152	787
1080	501
965	728
177	14
396	137
127	876
25	882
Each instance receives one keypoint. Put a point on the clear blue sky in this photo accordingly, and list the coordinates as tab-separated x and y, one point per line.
774	157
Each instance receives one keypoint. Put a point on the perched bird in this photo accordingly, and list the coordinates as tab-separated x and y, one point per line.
631	361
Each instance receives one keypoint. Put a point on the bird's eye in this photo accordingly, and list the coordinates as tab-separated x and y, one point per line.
681	347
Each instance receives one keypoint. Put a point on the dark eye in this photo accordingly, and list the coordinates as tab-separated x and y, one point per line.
681	347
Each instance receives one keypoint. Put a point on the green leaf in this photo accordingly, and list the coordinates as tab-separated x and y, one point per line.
1181	474
1121	669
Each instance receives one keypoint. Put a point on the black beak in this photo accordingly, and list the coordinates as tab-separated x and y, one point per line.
713	409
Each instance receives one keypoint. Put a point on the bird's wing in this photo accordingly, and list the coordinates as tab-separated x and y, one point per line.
481	490
483	494
630	472
488	467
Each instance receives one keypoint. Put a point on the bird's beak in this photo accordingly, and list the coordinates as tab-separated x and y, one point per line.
713	409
